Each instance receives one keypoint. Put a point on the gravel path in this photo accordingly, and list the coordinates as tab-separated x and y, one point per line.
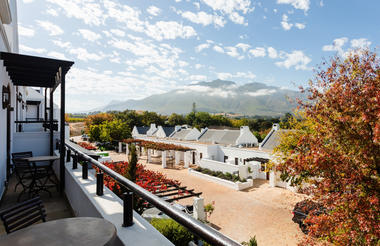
262	211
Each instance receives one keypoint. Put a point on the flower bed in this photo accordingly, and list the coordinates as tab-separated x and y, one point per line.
87	146
147	179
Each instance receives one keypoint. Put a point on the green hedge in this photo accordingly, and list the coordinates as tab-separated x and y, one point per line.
219	174
173	231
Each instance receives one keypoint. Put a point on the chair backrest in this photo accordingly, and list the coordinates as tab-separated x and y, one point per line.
18	162
23	214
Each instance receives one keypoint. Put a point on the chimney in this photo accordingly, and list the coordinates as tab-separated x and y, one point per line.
276	127
177	128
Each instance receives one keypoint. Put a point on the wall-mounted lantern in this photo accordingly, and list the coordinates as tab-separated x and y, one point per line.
19	97
5	96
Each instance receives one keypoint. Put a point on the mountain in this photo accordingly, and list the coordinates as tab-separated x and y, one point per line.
218	96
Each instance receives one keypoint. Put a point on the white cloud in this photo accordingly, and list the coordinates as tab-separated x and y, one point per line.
25	31
296	59
118	32
61	44
244	47
285	24
57	55
272	52
28	1
169	30
183	63
218	49
261	92
232	51
258	52
206	90
89	35
198	66
231	8
360	43
244	75
297	4
52	12
337	45
25	48
201	47
204	18
153	10
53	29
300	25
88	11
198	77
84	55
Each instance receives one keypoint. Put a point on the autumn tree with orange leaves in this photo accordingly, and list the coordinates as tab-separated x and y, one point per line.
334	151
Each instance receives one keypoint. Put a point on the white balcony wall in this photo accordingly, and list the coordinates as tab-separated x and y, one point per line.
37	142
81	194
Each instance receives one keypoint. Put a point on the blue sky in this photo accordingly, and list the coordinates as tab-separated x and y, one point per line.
132	49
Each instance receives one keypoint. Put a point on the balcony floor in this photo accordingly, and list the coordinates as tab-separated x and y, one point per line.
57	206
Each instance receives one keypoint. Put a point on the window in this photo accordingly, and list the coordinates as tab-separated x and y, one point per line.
236	161
200	155
225	158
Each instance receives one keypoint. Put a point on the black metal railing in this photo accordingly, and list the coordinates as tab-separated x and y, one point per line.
199	229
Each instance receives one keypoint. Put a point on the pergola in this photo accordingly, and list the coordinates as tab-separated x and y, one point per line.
33	71
258	159
159	146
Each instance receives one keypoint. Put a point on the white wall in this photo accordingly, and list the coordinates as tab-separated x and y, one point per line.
81	194
37	142
246	137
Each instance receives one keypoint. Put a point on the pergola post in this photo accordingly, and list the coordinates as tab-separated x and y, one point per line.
127	149
149	159
62	133
120	147
186	159
177	157
164	159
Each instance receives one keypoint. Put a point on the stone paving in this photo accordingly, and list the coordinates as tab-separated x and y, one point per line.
57	207
261	210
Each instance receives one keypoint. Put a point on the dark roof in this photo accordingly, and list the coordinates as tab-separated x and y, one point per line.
168	130
142	129
34	71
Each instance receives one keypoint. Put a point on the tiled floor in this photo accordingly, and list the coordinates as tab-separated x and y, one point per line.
57	206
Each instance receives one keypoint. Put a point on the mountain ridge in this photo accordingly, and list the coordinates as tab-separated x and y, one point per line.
217	96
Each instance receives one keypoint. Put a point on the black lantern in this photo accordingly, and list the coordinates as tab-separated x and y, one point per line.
6	97
19	97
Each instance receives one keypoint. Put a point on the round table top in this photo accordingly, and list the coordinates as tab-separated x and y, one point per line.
85	231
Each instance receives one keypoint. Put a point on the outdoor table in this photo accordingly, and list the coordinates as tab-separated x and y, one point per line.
84	231
49	169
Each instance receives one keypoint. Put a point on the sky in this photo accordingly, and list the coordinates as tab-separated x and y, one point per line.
132	49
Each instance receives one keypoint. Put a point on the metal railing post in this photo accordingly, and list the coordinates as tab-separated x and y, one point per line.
68	155
75	161
127	209
99	183
85	170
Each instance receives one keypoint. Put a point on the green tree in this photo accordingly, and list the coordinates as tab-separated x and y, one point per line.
132	165
176	119
152	117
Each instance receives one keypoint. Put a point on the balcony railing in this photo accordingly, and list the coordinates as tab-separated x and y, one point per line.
33	125
199	229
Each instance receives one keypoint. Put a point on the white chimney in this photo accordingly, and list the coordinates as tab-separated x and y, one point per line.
276	126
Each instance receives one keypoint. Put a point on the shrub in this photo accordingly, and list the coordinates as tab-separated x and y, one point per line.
173	231
252	242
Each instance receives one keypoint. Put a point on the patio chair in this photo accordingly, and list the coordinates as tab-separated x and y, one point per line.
29	176
23	214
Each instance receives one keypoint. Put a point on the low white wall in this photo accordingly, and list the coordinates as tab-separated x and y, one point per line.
37	142
82	196
225	167
236	186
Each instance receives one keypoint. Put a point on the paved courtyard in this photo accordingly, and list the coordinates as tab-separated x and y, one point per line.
262	211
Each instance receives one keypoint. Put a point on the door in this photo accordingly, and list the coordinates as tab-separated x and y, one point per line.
193	158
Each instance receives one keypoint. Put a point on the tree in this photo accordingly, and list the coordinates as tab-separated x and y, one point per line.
176	119
132	166
152	117
194	108
335	150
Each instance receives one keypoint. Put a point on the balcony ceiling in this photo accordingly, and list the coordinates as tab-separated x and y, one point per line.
34	71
